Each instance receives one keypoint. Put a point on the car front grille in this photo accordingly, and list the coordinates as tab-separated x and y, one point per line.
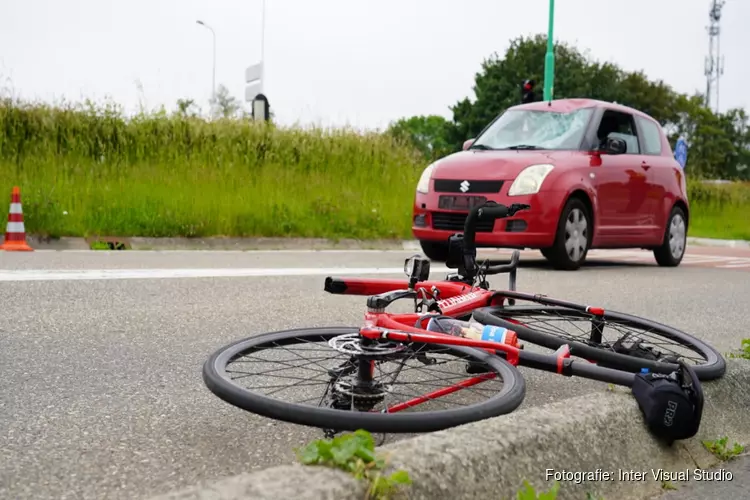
455	222
467	186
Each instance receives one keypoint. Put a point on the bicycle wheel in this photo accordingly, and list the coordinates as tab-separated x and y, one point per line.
611	339
352	396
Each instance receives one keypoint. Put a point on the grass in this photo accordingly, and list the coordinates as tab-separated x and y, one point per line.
86	171
719	211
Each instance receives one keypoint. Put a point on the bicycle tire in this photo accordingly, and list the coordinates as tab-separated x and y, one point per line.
215	377
714	367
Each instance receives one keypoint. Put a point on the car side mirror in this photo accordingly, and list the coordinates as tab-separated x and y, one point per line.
468	143
615	146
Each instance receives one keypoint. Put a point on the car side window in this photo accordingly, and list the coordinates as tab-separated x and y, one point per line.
651	136
621	126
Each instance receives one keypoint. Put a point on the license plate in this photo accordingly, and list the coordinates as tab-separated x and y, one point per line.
460	202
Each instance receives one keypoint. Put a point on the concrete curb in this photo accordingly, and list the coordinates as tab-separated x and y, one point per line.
490	459
250	244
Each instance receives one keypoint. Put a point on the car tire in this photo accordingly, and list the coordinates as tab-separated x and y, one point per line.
573	237
435	250
672	249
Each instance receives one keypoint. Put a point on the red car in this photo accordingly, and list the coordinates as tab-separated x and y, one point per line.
596	174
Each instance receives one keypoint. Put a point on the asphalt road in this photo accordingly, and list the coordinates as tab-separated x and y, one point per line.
102	395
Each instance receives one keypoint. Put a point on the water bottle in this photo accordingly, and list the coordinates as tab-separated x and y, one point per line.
490	333
473	329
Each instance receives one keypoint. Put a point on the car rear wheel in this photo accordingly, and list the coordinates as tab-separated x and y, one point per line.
672	249
572	239
435	250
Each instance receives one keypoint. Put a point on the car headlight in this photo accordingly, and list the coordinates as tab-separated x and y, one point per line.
423	186
529	181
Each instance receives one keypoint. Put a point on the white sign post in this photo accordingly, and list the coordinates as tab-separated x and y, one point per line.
254	92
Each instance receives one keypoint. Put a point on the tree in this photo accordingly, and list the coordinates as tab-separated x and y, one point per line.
224	104
497	85
719	144
186	107
428	134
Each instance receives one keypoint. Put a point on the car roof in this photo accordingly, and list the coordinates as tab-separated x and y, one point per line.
568	105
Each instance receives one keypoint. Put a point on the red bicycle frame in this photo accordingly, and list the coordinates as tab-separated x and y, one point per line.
456	299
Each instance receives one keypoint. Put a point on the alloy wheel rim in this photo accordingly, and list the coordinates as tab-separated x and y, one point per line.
677	236
576	235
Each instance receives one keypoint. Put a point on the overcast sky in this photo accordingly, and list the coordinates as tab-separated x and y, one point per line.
336	62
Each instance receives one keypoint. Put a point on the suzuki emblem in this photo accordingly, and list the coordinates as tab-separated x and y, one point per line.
464	186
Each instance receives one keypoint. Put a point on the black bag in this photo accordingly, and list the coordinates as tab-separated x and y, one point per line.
672	405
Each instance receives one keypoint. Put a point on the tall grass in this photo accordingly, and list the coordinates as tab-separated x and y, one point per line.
87	170
719	210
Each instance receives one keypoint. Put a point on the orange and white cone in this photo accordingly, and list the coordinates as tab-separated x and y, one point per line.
15	232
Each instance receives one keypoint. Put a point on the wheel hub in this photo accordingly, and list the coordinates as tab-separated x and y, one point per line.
353	345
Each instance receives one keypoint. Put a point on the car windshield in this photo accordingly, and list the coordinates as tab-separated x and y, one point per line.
527	129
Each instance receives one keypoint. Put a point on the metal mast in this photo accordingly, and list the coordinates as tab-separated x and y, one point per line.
714	66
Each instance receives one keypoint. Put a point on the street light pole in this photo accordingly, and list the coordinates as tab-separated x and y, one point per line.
262	44
213	77
549	58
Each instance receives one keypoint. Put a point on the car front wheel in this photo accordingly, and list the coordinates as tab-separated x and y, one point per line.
434	250
572	238
672	249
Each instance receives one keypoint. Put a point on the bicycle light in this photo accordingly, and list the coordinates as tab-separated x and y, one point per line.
417	269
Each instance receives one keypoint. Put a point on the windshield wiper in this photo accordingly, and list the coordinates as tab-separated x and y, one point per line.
480	146
523	146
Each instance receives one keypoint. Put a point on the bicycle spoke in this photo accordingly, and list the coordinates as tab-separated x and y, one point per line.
403	376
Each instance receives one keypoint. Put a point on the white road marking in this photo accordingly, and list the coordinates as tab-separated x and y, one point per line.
702	259
736	263
220	250
115	274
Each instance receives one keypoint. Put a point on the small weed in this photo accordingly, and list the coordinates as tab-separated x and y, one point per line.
355	453
744	351
527	492
100	245
107	245
719	448
667	485
591	496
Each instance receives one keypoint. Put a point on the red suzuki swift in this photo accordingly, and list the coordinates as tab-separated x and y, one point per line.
596	174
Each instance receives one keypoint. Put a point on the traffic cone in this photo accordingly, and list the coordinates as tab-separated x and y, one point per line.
15	232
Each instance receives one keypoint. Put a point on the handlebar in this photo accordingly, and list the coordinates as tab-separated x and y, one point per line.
490	210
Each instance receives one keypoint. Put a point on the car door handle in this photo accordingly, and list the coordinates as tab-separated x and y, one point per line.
645	166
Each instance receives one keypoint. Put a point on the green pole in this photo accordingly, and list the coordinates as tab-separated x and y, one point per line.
549	58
